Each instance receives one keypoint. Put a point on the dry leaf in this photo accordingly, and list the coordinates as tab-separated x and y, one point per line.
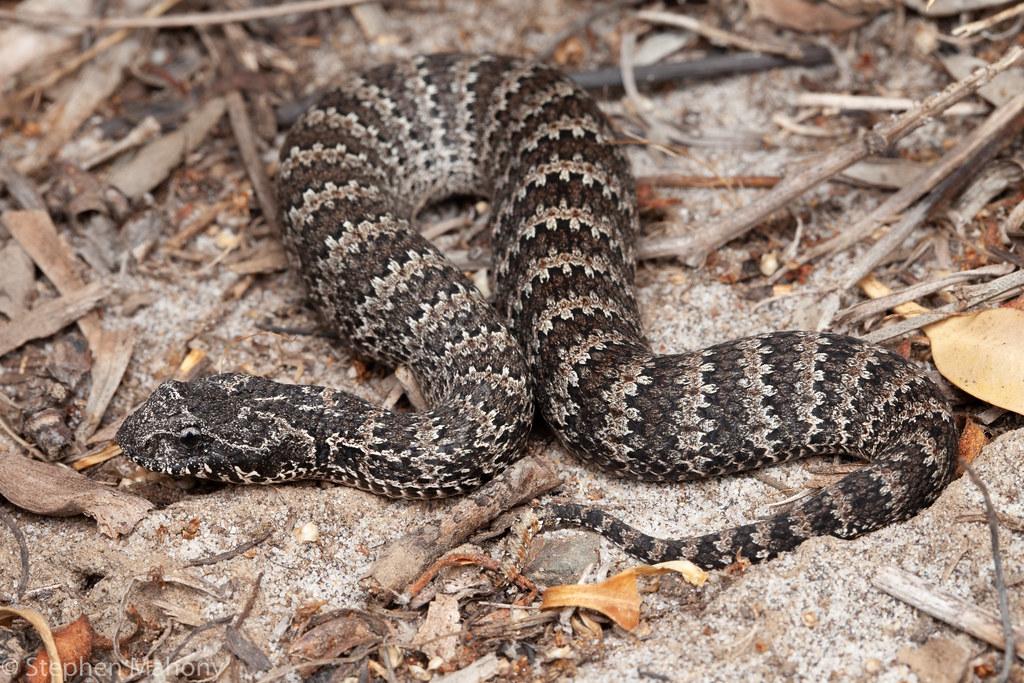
618	597
37	235
74	644
49	317
438	635
154	162
38	622
61	492
983	354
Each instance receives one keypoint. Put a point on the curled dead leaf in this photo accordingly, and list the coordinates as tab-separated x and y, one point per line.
618	597
74	644
38	622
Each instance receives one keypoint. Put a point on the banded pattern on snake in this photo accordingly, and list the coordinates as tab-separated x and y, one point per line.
355	170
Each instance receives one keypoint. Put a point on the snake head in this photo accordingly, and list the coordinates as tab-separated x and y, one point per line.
209	429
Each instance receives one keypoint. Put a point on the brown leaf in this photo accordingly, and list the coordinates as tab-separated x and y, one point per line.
38	622
61	492
804	16
74	643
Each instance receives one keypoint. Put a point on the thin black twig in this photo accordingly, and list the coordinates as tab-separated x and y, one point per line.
19	536
1000	581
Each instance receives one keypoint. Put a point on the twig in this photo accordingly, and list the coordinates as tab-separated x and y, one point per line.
973	27
462	559
739	182
997	568
998	289
402	560
233	552
97	48
718	36
36	453
191	19
240	646
19	538
978	144
829	100
21	189
245	136
961	164
704	68
694	247
873	307
945	606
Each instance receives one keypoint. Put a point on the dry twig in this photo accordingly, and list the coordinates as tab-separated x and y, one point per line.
719	36
245	136
402	560
945	606
997	569
187	20
694	247
973	27
19	538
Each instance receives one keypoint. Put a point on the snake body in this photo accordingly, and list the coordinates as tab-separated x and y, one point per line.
355	169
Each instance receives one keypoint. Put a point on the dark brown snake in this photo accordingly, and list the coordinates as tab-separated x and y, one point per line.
354	171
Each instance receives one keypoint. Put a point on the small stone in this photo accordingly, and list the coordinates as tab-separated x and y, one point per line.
307	533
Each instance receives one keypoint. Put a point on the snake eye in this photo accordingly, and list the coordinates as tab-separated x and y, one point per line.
188	437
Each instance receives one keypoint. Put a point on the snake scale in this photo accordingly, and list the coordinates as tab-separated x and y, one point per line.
563	333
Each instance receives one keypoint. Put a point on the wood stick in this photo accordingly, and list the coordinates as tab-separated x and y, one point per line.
709	182
99	47
50	317
831	100
996	290
404	559
981	143
963	163
187	20
973	27
693	248
873	307
946	607
245	136
718	36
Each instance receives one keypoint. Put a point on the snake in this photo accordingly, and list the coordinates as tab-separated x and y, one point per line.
562	335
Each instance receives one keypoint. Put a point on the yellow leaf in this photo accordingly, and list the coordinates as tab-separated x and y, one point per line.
983	354
617	597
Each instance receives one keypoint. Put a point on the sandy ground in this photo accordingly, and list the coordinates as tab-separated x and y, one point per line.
810	615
